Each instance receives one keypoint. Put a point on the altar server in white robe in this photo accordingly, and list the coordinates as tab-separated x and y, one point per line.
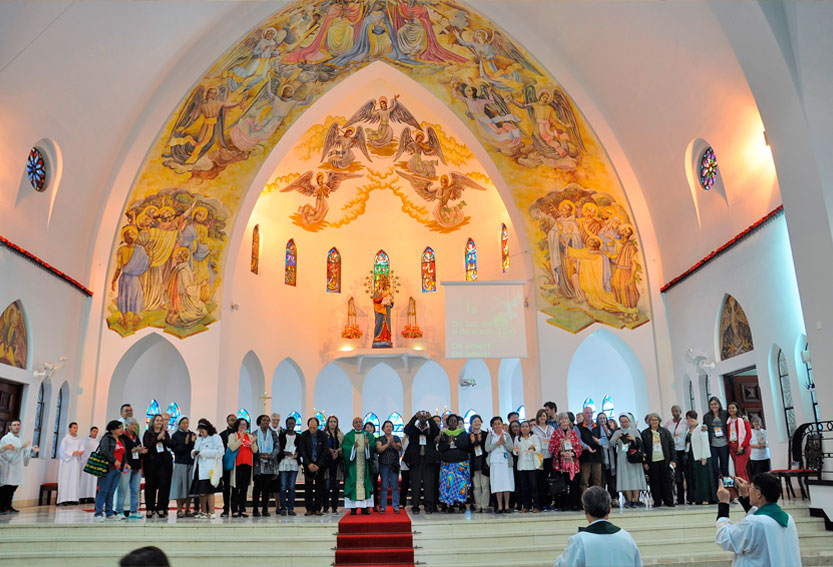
14	455
766	535
88	483
69	467
600	544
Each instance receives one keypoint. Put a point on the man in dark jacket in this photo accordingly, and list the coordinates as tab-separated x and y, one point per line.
313	453
592	456
231	419
660	461
421	458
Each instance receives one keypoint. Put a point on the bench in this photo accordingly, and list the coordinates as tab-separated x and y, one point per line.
46	489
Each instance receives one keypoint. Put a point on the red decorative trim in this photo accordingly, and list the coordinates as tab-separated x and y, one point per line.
44	266
725	248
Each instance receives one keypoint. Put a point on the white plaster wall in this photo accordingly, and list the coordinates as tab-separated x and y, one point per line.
759	273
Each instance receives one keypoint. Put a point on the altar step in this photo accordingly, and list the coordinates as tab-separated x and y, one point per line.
669	537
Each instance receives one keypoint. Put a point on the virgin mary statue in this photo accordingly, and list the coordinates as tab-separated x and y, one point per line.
382	304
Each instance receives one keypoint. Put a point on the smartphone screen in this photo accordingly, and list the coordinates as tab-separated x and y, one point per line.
728	482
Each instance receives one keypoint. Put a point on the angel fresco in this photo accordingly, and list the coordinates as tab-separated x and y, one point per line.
249	65
419	146
264	114
415	34
338	146
320	190
334	37
382	115
549	135
492	117
448	190
494	54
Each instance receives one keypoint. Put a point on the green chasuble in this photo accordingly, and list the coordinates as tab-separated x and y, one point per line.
358	468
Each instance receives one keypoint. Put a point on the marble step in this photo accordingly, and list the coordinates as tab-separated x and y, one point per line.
189	558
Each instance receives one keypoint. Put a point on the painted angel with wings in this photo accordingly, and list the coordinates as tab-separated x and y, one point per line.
564	112
188	142
339	143
419	146
450	189
550	134
383	115
494	54
321	189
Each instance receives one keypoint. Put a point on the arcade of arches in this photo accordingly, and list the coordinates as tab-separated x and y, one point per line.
234	205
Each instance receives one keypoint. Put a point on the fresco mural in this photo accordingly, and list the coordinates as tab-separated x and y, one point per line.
213	144
14	344
735	332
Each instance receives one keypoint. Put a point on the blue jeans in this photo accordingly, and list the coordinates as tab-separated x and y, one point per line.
106	489
129	483
288	489
720	463
390	481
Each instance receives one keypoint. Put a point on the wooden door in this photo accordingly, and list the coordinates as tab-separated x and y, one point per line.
10	395
743	388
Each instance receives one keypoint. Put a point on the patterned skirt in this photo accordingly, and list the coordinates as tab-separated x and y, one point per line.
455	479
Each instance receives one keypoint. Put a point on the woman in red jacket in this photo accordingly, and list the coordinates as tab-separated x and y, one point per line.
565	449
740	435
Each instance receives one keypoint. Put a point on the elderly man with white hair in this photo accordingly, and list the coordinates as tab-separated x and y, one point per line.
677	426
600	544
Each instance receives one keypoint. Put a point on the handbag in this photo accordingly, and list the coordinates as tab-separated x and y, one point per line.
216	472
558	485
97	465
228	459
635	453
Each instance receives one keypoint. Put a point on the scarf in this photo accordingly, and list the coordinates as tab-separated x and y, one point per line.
264	441
775	512
452	432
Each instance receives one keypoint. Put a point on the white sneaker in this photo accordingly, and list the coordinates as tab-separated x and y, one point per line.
98	519
212	517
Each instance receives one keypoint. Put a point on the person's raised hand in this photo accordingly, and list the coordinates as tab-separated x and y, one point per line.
723	494
742	486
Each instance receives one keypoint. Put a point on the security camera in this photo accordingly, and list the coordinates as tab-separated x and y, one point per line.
468	382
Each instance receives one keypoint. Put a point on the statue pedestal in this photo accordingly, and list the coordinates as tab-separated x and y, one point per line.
358	356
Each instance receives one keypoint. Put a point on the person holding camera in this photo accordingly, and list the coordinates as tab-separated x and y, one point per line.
767	535
421	457
388	447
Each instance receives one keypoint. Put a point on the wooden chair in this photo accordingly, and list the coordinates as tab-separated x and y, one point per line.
46	489
799	467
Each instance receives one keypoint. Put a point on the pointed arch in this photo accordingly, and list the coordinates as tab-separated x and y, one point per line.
471	261
382	390
478	396
431	389
61	410
333	271
288	388
290	269
428	268
734	331
152	368
14	338
251	385
333	393
523	154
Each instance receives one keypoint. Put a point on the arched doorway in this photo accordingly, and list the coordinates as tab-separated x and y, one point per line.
604	366
288	389
382	392
431	391
151	369
334	394
510	385
475	388
251	385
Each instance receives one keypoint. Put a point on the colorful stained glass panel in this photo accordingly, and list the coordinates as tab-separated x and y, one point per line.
504	247
429	271
471	261
708	168
291	263
333	271
36	169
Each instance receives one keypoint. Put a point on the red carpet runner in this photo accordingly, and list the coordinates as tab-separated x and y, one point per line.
377	539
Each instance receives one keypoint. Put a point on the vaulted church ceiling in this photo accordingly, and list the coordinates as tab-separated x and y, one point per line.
171	251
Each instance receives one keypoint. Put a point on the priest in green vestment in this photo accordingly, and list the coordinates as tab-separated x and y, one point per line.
358	448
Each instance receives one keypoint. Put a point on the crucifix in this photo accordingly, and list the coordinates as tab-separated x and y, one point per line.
265	397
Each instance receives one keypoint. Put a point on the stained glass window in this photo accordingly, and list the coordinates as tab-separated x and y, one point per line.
381	267
504	247
708	168
521	412
607	406
322	421
153	409
589	403
244	414
291	265
429	271
374	419
471	261
398	423
40	410
691	399
786	393
333	271
467	419
174	412
298	425
56	431
36	169
255	248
